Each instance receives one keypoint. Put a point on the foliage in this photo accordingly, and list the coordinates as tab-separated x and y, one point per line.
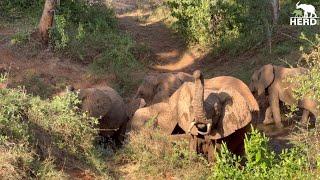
88	32
39	137
85	31
16	8
20	37
221	24
262	163
309	83
60	38
3	78
80	16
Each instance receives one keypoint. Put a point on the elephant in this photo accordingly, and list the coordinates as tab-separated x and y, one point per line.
209	116
272	80
221	82
108	106
156	88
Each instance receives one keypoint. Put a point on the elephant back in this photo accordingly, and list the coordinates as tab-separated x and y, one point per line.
117	114
96	102
235	114
159	114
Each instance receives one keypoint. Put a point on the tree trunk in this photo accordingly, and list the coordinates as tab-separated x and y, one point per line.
46	20
275	10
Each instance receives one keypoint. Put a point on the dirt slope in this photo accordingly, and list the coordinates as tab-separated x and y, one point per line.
170	52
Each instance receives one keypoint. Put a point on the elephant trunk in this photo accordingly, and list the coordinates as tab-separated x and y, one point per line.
199	112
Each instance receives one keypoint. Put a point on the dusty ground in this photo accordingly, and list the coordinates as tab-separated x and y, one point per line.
170	52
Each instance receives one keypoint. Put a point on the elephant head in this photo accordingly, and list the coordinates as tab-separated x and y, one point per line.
216	116
262	79
148	88
225	111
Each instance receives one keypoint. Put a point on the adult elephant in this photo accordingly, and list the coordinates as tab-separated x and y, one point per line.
108	106
210	116
272	80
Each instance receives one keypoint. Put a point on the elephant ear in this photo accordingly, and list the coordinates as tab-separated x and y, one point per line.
235	114
265	77
94	101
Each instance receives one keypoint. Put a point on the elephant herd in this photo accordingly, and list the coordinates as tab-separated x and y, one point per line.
209	111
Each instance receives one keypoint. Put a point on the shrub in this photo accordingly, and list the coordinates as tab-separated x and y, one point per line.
18	8
262	163
225	25
85	31
20	37
308	84
38	138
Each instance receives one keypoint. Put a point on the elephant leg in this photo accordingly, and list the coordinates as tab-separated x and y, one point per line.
211	151
268	117
274	103
193	143
305	117
119	136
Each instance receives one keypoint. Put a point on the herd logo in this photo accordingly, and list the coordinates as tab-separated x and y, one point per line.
305	14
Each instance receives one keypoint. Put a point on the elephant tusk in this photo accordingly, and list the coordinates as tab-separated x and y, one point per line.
202	133
191	126
208	130
209	125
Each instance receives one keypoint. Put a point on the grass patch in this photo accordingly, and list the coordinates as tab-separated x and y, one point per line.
85	32
158	156
45	138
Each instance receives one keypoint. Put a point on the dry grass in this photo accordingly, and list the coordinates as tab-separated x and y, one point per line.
159	156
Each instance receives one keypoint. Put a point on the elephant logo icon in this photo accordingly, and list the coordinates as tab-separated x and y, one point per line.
304	14
308	9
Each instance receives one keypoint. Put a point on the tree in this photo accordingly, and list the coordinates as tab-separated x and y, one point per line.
46	20
275	10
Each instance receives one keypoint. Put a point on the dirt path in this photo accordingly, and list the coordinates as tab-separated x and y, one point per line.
169	52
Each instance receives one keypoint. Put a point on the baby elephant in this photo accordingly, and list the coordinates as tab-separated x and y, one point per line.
156	88
272	80
106	105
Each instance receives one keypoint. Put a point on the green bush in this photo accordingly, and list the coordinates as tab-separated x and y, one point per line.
18	8
78	20
40	137
226	25
86	32
263	163
308	84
